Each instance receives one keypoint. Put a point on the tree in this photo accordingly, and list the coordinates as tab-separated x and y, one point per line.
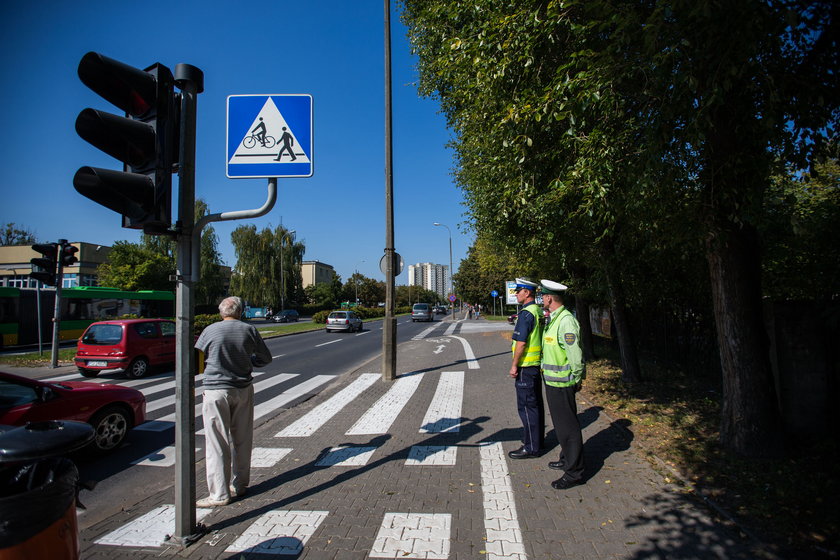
12	235
325	295
262	260
210	287
606	124
369	291
130	266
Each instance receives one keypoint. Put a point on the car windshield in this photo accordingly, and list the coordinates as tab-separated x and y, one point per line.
340	315
103	334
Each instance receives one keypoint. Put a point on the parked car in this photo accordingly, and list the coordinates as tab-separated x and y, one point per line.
422	312
344	321
132	345
512	319
112	410
287	316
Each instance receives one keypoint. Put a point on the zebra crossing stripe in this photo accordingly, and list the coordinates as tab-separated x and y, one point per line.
346	456
150	529
444	413
413	535
424	333
321	414
504	537
382	414
279	532
293	393
432	455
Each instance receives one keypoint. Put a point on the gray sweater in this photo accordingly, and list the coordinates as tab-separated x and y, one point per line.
232	349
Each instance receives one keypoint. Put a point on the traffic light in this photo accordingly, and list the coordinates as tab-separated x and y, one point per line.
145	140
44	267
68	255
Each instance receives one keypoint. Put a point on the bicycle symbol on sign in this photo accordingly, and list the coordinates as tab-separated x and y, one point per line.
252	140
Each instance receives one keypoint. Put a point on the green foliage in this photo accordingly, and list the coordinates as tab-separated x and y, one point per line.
801	230
12	234
203	321
268	265
130	266
321	317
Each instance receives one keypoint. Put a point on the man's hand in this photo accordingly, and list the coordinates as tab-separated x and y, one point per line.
514	371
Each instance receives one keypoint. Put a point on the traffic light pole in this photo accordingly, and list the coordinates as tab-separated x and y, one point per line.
57	309
190	81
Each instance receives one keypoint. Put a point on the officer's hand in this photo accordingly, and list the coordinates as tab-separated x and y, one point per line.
514	371
578	385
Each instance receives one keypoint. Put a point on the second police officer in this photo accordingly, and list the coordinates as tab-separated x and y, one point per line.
563	373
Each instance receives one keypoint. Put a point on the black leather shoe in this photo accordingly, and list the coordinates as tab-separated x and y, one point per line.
521	453
565	483
556	465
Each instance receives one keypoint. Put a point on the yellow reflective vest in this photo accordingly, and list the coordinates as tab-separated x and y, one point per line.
531	356
562	357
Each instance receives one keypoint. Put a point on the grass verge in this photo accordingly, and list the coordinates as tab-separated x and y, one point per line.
791	502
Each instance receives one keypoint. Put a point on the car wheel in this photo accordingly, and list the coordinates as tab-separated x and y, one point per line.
137	368
110	426
88	372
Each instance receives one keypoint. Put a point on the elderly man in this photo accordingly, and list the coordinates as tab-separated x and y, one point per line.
232	349
525	369
563	372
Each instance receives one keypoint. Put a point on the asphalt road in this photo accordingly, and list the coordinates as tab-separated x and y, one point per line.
304	364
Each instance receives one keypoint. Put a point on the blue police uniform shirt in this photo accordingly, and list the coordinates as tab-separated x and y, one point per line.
525	323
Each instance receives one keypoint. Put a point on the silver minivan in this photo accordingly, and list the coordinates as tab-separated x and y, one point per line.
422	312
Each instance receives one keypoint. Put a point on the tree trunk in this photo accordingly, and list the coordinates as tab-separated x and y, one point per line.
750	416
631	372
586	340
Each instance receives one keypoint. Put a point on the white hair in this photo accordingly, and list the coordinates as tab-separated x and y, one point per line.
231	307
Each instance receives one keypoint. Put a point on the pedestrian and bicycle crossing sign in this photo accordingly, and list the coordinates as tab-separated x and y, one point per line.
269	136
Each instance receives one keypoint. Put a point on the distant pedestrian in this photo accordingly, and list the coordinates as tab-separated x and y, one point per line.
525	369
232	349
563	373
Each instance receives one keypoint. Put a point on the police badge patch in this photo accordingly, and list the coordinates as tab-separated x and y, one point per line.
569	338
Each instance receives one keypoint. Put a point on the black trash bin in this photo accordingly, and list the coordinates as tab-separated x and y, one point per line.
38	489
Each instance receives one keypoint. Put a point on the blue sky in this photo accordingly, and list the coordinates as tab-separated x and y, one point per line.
330	49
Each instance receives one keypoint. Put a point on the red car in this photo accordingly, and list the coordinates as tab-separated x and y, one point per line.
112	410
132	345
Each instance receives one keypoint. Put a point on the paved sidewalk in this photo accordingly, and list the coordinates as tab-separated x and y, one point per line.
418	468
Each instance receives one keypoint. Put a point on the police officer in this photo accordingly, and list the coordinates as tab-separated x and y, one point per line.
525	369
563	372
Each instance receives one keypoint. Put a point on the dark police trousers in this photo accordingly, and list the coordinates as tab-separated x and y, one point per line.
529	402
563	409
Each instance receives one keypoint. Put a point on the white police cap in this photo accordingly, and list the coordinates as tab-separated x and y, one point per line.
553	288
524	283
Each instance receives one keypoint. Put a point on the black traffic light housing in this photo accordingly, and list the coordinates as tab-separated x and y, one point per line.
44	268
145	140
68	254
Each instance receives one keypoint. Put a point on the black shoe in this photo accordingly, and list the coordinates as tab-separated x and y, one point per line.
565	483
522	453
556	465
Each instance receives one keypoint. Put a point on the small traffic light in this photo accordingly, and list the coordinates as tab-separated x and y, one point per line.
44	267
68	255
145	140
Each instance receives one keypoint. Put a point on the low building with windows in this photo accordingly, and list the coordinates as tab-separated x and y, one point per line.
15	266
315	272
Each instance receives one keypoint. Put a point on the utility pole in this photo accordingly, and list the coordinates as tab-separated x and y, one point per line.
389	331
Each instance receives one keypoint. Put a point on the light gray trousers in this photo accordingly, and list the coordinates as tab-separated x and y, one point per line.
229	437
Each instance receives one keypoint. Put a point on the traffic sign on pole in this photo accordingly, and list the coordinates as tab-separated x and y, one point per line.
269	136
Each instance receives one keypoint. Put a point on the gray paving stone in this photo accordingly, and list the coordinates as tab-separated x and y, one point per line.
634	515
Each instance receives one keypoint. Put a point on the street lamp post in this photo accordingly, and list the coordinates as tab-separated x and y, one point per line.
282	283
451	288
